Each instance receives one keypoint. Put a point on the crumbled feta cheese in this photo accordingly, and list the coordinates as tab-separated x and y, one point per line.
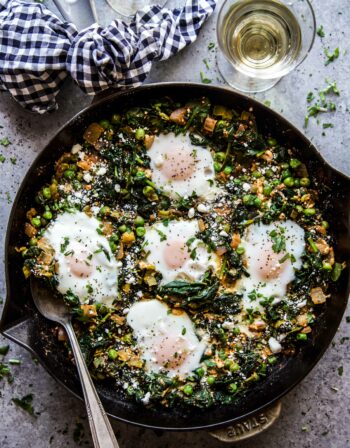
223	233
228	325
191	213
87	177
101	171
145	399
117	188
302	304
274	345
246	186
76	148
203	208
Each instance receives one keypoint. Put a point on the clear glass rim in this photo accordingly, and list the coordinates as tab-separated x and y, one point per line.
283	72
156	3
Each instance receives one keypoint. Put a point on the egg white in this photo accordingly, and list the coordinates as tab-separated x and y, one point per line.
257	243
168	342
74	237
158	241
202	179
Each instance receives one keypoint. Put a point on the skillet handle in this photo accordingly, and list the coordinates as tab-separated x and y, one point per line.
101	429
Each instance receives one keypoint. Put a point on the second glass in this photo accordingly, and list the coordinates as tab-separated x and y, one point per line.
262	40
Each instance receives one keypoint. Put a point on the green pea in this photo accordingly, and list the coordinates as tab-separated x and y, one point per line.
326	266
234	367
47	215
140	231
47	193
140	134
294	163
211	380
269	173
114	237
286	173
104	210
200	372
188	389
232	388
122	228
33	242
325	224
72	167
301	337
240	250
228	170
139	221
248	199
113	246
267	190
69	174
257	202
284	166
116	119
219	156
309	211
140	175
272	141
288	182
105	124
299	208
36	222
256	174
217	167
305	182
297	182
112	354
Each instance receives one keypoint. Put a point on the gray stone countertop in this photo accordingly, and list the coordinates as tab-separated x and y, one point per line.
316	412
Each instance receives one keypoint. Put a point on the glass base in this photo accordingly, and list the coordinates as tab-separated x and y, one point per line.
239	81
130	7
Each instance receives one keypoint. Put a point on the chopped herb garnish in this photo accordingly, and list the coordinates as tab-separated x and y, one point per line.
327	125
64	245
161	234
13	160
204	79
5	142
205	62
193	254
279	240
25	403
340	370
183	332
190	241
15	361
211	45
310	97
320	31
2	158
4	350
331	56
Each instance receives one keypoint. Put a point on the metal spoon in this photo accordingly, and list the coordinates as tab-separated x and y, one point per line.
53	308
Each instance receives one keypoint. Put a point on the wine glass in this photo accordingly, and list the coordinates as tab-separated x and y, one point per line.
261	41
128	8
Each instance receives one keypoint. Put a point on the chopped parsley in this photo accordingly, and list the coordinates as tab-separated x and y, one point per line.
4	350
161	234
340	370
205	62
279	240
64	245
211	45
2	158
331	56
310	97
25	403
327	125
5	142
204	80
320	31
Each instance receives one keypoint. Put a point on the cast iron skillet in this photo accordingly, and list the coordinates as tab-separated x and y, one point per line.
21	322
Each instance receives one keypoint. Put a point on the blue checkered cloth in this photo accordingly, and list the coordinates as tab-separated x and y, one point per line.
38	50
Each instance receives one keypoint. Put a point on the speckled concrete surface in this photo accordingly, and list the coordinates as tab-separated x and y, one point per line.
316	413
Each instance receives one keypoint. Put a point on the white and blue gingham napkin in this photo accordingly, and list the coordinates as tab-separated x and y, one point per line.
38	50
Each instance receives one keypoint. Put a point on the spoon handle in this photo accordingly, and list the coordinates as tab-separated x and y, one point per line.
101	429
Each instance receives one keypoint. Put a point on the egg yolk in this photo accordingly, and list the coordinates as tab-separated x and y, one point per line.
176	254
269	264
178	164
80	265
171	352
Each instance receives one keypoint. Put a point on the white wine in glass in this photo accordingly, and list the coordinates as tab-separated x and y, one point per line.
262	40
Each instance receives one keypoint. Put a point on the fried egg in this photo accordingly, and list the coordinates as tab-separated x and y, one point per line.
176	253
85	264
272	253
168	342
180	168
